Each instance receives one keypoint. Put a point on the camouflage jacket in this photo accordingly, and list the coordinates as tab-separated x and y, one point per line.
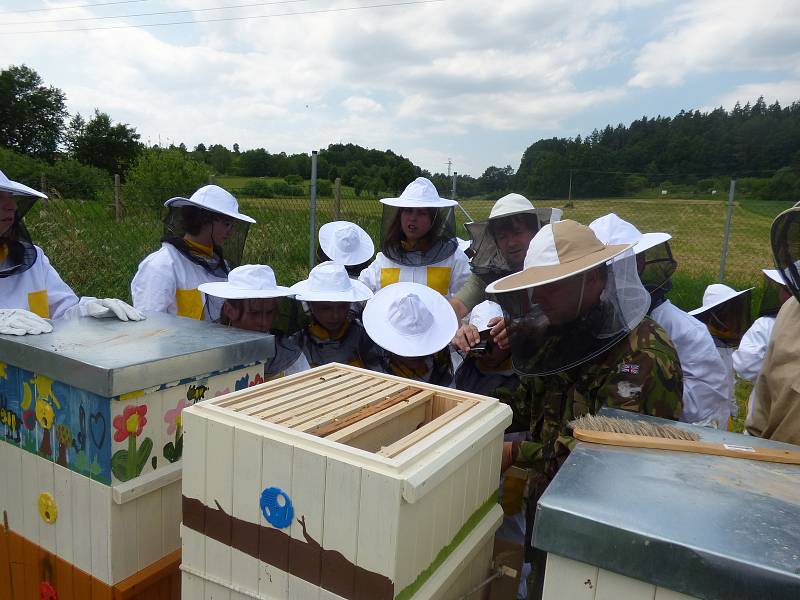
641	373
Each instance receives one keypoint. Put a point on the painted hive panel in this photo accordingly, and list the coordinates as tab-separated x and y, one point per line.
338	483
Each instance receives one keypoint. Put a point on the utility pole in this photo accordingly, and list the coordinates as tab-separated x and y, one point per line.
453	193
728	216
449	165
570	186
312	225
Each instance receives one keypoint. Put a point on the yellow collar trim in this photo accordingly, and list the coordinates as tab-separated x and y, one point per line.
320	333
200	249
3	251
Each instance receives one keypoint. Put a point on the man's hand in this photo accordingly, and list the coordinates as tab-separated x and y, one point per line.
466	337
17	321
499	332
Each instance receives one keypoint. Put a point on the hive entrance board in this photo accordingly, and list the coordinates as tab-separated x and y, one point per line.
370	411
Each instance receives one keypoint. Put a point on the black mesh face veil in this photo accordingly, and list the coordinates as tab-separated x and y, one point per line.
729	321
226	255
440	243
771	301
656	268
352	270
21	254
488	263
785	237
539	347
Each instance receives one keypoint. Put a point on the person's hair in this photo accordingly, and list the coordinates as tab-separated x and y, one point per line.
527	220
194	218
236	305
395	233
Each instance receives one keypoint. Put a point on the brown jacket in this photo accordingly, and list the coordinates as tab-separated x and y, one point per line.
776	415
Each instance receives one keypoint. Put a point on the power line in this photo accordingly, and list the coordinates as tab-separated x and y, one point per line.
31	10
153	14
221	19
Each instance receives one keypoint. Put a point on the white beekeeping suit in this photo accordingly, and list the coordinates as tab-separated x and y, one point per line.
705	380
432	260
29	283
168	279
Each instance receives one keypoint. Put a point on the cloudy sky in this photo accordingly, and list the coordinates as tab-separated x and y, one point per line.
476	81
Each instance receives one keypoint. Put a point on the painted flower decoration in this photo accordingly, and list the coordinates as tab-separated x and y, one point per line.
173	416
29	419
130	422
258	379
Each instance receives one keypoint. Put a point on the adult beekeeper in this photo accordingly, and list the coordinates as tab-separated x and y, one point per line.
418	242
499	244
580	339
726	314
203	240
776	415
704	374
749	356
30	288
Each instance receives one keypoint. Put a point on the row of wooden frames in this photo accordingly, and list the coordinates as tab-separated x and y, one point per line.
345	405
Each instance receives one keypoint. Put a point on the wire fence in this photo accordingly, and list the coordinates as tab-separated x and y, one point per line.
96	245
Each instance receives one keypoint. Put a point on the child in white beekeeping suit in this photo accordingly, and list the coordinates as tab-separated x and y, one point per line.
414	325
705	377
726	313
30	288
749	356
334	333
251	297
347	244
203	240
418	242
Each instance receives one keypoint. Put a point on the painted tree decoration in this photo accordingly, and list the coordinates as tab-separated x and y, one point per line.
174	450
64	438
127	464
41	388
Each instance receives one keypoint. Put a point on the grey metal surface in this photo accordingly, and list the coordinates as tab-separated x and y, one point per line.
707	526
110	357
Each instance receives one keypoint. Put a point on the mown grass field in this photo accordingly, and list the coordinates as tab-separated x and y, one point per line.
98	255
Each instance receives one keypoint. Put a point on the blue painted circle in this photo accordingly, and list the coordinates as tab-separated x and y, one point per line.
277	507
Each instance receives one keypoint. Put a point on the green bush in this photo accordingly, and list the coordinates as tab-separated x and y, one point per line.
257	189
324	188
294	179
283	189
784	186
159	175
65	178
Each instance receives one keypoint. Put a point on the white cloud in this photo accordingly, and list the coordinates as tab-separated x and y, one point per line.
705	36
362	104
785	92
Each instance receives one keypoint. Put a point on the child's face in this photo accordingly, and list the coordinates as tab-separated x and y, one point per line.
254	314
331	315
416	223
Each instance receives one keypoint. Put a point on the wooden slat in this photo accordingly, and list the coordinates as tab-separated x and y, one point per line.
310	402
284	384
264	410
161	570
260	396
343	407
339	403
338	424
5	564
378	417
301	409
403	444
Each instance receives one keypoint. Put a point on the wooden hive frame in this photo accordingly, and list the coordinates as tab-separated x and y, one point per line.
389	474
354	407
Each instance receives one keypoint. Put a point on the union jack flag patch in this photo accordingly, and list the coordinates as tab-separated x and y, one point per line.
629	368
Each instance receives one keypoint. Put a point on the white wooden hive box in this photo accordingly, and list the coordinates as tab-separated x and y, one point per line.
337	483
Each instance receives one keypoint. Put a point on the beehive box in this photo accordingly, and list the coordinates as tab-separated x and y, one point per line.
641	524
90	421
340	483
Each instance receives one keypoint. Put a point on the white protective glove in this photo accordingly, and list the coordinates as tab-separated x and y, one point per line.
17	321
101	308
